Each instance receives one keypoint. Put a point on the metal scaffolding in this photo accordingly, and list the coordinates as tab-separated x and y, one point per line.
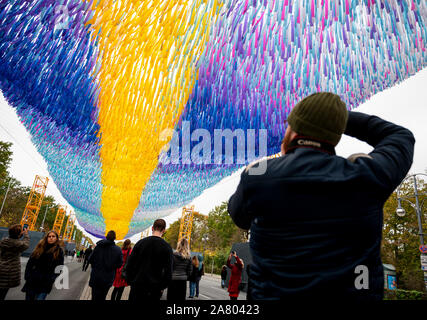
186	225
59	220
34	202
68	229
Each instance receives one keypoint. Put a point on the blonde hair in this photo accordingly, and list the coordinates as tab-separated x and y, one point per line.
183	248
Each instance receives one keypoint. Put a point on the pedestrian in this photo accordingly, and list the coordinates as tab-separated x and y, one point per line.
11	249
149	266
236	275
315	217
105	259
249	288
199	274
87	254
223	276
120	283
78	255
41	270
193	276
177	289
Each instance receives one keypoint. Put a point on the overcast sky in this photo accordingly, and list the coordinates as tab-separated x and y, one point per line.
404	104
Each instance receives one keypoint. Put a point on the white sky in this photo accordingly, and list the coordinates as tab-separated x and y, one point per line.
404	104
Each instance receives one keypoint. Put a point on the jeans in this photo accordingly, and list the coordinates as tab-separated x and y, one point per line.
197	287
192	288
35	296
222	283
117	293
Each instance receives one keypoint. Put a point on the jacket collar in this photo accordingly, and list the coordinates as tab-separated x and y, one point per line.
308	142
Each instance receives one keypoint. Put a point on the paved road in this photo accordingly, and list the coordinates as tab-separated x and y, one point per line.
210	286
77	282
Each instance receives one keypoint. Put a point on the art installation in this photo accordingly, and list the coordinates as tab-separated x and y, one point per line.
104	86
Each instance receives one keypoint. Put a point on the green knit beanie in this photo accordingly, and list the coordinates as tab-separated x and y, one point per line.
322	115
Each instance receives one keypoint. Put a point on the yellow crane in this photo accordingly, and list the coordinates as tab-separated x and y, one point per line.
186	224
59	219
34	202
68	229
145	233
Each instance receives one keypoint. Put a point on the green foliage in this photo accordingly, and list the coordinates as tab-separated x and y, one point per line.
171	234
221	233
17	198
403	295
400	246
5	158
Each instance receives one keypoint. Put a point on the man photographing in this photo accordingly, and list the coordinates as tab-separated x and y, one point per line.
315	217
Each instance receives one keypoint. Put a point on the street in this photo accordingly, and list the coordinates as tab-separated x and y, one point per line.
77	282
210	286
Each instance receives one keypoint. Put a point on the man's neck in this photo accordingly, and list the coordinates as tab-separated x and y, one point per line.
157	234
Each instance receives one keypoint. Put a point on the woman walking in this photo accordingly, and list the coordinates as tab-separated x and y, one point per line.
10	263
236	276
120	283
181	271
40	271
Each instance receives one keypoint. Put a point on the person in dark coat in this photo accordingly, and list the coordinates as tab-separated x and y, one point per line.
193	276
223	275
181	271
105	259
149	266
235	277
11	250
120	283
41	270
200	272
315	217
87	254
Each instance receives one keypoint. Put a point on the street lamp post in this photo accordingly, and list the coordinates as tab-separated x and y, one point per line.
418	209
42	226
205	239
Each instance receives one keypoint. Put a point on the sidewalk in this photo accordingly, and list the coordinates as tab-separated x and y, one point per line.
87	291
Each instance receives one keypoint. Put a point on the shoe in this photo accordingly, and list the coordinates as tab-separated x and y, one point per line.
196	296
190	297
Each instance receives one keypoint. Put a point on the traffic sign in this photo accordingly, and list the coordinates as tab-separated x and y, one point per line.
423	248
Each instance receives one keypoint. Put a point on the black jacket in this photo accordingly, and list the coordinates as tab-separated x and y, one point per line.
149	266
315	217
40	273
196	273
87	253
105	259
182	267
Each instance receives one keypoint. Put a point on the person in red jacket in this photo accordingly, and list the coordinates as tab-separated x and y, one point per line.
236	275
120	283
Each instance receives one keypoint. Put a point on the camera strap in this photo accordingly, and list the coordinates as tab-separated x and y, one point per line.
308	142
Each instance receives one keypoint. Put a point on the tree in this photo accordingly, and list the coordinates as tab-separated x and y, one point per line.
171	234
400	246
5	159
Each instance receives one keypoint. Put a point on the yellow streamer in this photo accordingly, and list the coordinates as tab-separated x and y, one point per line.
146	78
